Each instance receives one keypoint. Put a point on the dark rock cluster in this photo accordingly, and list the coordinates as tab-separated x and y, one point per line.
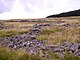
25	20
23	42
1	25
29	20
70	47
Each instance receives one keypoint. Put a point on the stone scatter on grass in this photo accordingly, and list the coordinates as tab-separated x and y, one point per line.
28	41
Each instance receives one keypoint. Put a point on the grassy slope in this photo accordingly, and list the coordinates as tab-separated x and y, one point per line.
53	35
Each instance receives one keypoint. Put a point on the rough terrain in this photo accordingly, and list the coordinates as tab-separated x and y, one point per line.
45	35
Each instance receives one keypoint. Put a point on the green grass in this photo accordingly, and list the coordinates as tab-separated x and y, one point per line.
51	31
7	54
71	57
53	35
8	33
42	37
67	56
59	35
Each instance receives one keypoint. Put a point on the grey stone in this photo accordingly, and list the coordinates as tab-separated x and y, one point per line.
66	44
74	47
58	49
77	52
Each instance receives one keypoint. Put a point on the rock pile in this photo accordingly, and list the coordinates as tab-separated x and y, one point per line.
24	41
27	41
73	48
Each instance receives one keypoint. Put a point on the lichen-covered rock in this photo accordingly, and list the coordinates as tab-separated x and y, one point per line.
77	52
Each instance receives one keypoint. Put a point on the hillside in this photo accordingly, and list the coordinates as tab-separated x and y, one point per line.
40	39
66	14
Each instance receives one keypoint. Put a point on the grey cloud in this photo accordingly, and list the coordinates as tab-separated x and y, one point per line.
6	5
36	8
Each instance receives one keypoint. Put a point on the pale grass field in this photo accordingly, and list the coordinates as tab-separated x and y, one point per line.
59	35
19	24
12	32
56	34
53	34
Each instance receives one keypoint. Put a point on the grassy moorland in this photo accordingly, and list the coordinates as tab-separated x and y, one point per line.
7	54
57	33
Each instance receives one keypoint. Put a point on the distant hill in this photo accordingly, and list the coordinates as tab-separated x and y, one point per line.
66	14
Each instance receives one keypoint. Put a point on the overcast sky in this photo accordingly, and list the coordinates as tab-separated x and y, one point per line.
35	8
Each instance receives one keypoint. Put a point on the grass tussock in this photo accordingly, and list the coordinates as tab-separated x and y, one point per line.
51	30
18	24
65	56
7	54
71	57
12	32
59	35
42	37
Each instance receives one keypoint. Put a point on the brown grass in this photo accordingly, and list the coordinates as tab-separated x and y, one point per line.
55	34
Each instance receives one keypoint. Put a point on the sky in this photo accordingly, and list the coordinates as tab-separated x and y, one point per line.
12	9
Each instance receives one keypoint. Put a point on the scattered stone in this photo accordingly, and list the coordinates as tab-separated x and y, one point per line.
28	41
1	25
77	52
